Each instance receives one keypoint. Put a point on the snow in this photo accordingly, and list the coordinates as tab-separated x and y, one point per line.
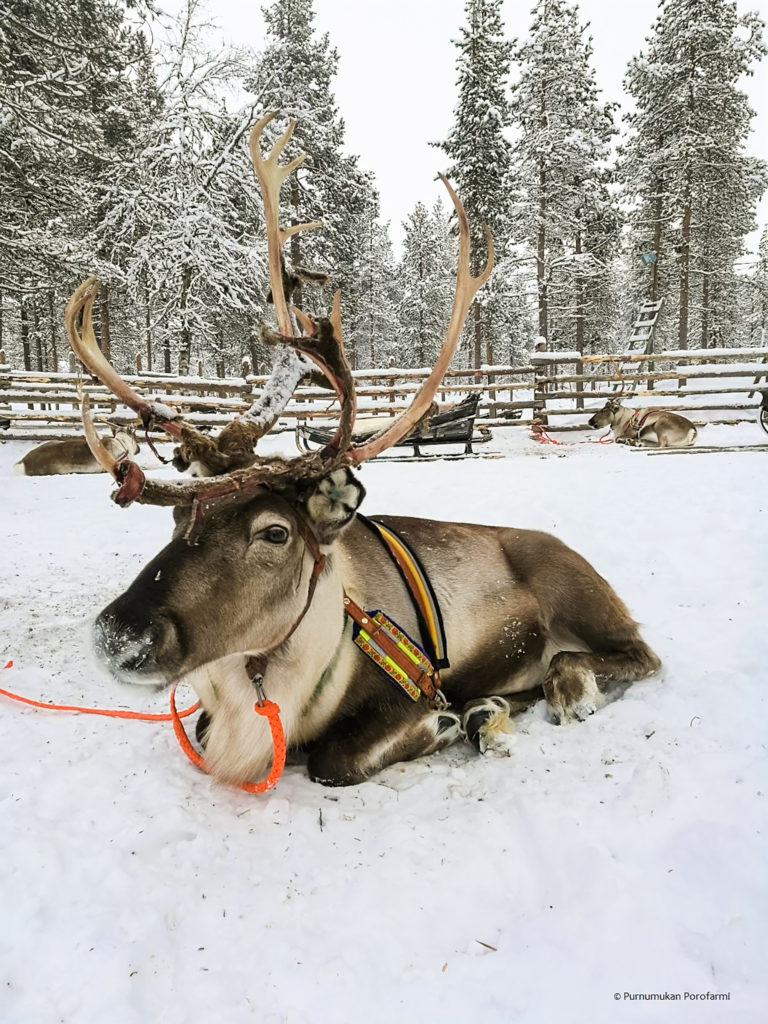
622	855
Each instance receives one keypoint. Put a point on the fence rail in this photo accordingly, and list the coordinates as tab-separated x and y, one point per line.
553	386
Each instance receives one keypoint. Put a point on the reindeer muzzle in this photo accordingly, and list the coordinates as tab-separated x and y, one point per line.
135	651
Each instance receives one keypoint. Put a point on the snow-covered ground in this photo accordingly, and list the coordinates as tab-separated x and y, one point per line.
623	855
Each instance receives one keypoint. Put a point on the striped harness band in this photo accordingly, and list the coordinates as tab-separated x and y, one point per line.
406	663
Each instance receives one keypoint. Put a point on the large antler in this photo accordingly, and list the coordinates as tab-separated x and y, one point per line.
466	289
236	480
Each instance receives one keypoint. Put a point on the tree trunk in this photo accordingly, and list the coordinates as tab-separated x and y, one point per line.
541	241
105	341
685	262
659	209
685	248
52	323
477	335
705	311
540	270
253	337
580	310
38	339
147	325
24	319
185	336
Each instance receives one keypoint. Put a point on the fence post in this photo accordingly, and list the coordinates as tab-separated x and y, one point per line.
539	384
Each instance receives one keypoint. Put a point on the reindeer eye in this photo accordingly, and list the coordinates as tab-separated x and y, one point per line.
275	534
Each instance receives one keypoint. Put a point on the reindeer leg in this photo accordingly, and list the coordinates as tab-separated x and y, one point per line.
648	438
574	681
357	747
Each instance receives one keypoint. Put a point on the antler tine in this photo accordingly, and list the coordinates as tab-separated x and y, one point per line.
331	358
91	356
105	460
464	293
271	175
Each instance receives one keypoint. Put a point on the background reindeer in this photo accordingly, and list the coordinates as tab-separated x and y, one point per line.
270	578
73	455
656	428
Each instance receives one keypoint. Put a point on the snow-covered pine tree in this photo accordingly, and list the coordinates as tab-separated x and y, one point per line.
480	156
426	273
66	95
371	311
182	220
570	219
295	76
684	163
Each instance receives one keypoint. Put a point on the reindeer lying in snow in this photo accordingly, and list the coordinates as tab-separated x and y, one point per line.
52	458
656	428
271	578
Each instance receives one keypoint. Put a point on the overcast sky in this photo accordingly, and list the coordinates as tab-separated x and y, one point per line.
397	72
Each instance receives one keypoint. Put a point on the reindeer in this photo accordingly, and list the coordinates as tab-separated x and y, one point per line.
73	455
271	578
658	428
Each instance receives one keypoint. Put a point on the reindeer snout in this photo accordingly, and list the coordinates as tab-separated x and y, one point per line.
592	421
138	652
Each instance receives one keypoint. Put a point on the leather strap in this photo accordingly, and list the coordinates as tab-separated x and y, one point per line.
426	680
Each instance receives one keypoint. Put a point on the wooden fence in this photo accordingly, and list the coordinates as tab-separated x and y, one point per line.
555	386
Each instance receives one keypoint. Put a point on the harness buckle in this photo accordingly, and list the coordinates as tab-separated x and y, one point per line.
258	682
439	702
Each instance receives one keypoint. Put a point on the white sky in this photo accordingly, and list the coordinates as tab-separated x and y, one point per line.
397	71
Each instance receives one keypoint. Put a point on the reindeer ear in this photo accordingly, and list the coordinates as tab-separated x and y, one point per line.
332	505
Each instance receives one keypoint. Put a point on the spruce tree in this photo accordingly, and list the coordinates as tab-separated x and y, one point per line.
67	100
182	227
480	153
570	219
684	164
295	76
426	285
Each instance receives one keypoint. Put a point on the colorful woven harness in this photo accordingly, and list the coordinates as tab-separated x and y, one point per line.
414	669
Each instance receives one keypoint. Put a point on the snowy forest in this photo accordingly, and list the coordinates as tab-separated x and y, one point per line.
128	158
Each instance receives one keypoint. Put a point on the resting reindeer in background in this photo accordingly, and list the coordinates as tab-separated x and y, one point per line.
73	455
656	428
271	578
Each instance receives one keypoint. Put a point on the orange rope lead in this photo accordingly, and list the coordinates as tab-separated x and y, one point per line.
271	712
268	709
140	716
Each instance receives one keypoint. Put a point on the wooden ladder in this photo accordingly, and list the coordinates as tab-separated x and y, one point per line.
641	336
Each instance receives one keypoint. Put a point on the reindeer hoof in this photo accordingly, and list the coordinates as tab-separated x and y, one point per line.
572	696
485	724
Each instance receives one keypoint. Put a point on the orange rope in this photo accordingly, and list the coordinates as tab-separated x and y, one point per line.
138	715
268	709
271	712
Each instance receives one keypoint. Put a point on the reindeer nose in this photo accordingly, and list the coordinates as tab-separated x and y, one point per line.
130	649
592	421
